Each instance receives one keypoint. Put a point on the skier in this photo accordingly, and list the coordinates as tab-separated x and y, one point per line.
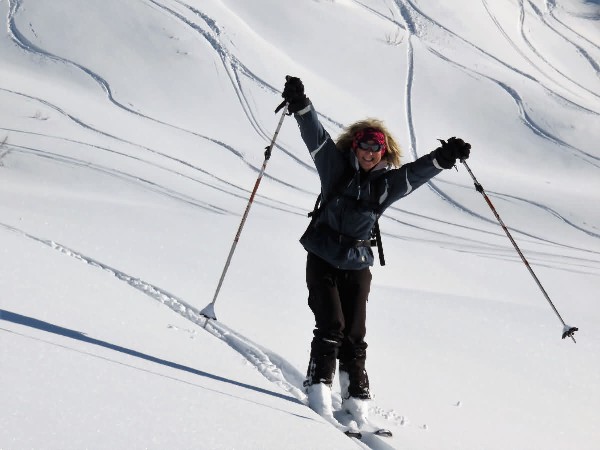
360	176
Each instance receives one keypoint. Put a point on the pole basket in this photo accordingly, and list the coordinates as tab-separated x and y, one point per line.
209	312
569	332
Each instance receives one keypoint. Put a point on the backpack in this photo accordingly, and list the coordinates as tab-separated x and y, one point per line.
375	239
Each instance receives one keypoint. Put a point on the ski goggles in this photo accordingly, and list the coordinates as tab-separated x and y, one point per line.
370	147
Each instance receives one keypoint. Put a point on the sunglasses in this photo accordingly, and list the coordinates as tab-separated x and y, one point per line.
369	147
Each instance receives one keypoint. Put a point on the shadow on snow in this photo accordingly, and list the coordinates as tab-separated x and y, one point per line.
77	335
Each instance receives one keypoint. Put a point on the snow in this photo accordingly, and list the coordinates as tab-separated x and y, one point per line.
132	135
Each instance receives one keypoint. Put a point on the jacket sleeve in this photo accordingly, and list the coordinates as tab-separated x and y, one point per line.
401	182
329	161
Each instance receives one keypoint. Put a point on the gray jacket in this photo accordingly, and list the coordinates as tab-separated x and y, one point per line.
352	199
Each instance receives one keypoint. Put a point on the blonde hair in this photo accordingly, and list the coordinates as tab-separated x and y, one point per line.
393	153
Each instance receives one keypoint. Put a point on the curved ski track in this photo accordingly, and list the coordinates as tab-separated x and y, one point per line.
28	46
234	68
136	179
405	8
529	44
551	6
414	14
579	49
275	368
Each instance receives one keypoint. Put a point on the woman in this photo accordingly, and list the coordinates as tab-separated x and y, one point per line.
360	177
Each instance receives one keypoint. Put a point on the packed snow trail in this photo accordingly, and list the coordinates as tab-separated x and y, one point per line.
256	355
272	366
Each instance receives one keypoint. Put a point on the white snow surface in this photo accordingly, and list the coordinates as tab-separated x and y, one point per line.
132	133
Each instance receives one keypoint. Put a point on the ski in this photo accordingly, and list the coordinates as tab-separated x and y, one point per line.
383	432
353	434
375	430
364	429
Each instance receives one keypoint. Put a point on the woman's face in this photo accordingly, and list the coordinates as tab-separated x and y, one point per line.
368	154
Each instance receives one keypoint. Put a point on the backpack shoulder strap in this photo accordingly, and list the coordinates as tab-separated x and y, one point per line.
377	237
317	206
320	202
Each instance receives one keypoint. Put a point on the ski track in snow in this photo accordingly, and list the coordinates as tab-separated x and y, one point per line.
543	59
551	6
258	356
405	8
594	65
589	263
28	46
234	69
445	239
121	175
233	65
530	45
578	265
148	184
410	25
272	366
269	364
25	44
414	15
552	212
168	157
525	118
411	28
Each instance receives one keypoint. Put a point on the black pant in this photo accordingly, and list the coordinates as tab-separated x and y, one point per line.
338	299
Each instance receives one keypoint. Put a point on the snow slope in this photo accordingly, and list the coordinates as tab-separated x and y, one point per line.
131	136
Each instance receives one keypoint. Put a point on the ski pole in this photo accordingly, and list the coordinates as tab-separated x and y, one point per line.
568	331
209	310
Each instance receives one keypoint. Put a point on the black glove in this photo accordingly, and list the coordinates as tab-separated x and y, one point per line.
293	94
450	151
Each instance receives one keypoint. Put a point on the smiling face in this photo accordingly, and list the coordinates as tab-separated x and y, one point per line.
369	154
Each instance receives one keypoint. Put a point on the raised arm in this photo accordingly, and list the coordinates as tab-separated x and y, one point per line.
409	177
329	161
